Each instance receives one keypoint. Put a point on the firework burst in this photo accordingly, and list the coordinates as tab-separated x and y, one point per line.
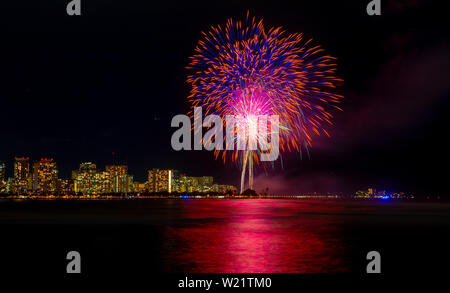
243	68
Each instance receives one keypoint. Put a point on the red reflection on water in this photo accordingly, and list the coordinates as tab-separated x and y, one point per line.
257	236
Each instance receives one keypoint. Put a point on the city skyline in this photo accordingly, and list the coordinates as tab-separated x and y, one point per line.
41	177
90	180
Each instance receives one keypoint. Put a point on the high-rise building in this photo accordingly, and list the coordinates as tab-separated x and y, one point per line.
65	186
88	167
84	178
102	182
185	183
89	181
117	170
152	180
205	180
2	171
21	168
181	183
192	184
22	175
122	184
162	180
139	187
2	177
45	176
120	181
10	185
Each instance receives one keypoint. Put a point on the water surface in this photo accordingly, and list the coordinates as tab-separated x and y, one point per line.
227	236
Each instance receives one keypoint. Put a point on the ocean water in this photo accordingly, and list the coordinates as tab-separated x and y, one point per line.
145	236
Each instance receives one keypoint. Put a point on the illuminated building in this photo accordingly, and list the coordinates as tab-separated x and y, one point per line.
227	189
84	178
205	181
202	184
120	181
152	180
74	174
196	184
42	179
45	176
2	171
162	180
22	175
89	181
102	182
88	167
214	188
65	186
182	184
192	184
10	186
139	187
117	170
21	168
122	184
2	177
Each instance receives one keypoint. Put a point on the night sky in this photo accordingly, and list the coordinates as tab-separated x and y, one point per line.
80	88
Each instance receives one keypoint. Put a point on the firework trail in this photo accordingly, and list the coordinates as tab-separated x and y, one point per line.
242	68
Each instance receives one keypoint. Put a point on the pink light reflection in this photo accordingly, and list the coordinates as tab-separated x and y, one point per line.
257	236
